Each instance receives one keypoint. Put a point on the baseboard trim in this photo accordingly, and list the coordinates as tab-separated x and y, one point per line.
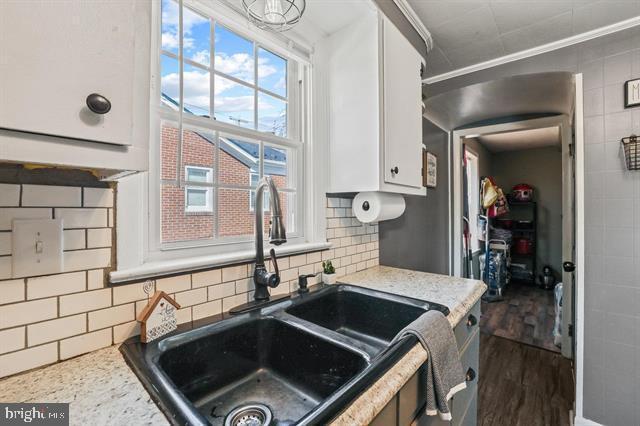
581	421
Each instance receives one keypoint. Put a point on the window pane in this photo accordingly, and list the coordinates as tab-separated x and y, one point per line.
255	178
168	151
170	16
196	91
236	217
198	175
238	160
170	82
179	224
198	152
196	197
234	55
272	72
197	37
234	103
278	163
272	115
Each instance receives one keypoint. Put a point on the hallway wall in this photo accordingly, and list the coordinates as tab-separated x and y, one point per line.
612	215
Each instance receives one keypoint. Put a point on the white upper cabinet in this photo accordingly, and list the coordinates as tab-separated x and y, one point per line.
76	71
375	111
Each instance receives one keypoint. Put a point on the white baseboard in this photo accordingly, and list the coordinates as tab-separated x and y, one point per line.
581	421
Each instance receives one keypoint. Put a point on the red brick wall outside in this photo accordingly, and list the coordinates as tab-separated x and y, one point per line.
233	205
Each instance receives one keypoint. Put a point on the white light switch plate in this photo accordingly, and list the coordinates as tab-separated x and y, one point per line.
36	247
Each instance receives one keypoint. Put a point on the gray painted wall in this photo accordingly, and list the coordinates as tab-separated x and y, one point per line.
542	169
612	215
419	239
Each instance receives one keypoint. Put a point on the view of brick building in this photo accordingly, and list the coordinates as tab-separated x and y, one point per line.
189	209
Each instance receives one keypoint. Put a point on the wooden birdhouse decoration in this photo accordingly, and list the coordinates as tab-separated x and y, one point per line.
158	317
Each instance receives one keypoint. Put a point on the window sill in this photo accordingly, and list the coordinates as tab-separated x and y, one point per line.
177	266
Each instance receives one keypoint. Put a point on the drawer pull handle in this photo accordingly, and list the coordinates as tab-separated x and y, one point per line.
471	321
471	375
98	103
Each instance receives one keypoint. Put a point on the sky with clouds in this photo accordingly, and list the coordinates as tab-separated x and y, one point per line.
234	56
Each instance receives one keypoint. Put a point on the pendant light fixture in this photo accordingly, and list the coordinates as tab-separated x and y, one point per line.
279	15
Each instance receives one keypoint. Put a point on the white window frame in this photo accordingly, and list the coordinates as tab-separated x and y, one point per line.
208	207
139	252
252	194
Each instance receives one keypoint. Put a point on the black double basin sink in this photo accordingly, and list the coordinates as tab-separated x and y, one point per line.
299	361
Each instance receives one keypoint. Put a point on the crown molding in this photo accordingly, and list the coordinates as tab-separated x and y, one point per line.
549	47
415	21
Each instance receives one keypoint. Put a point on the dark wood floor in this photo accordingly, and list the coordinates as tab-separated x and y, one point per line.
521	385
526	315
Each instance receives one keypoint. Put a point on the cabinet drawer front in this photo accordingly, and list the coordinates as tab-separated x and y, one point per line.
467	326
412	397
470	417
470	361
387	417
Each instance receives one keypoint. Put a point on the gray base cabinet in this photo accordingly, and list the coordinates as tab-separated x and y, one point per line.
407	407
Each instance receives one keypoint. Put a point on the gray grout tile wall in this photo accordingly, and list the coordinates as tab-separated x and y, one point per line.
55	317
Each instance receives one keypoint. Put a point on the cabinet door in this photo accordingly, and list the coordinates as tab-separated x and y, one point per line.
55	54
402	109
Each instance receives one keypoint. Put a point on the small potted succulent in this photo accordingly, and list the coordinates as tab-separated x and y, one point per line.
328	273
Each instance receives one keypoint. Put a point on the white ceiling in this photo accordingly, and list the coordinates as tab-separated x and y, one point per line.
468	32
521	140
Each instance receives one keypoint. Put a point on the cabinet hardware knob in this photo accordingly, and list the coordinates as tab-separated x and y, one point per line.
98	103
568	266
471	375
395	170
471	321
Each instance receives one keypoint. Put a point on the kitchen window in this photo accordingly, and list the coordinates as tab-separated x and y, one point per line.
229	113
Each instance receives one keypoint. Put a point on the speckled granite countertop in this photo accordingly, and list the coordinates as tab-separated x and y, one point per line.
100	386
103	390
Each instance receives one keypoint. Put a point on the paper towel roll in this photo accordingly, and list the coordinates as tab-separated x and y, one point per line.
376	206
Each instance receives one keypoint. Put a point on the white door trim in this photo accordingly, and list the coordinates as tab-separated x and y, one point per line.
579	254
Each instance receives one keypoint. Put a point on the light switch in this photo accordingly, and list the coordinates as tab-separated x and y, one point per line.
36	247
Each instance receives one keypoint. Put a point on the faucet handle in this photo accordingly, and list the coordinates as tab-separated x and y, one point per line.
275	280
302	282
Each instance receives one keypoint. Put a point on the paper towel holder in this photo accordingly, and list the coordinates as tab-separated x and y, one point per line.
365	206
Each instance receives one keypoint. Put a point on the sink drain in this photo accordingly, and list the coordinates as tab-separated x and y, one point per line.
249	415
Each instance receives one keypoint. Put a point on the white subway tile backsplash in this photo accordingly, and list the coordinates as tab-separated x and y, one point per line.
232	273
111	316
55	285
206	309
27	359
12	339
99	237
5	243
85	302
129	293
74	239
11	291
5	267
123	331
95	279
183	315
9	195
174	284
233	301
85	343
56	329
221	290
206	278
191	297
50	196
8	214
98	197
28	312
299	260
87	259
82	218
